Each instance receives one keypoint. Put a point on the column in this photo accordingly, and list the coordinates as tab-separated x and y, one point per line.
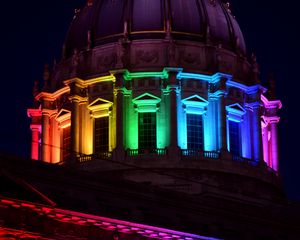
173	117
274	143
119	120
257	133
119	153
266	145
74	128
223	122
35	130
55	140
173	150
86	141
45	136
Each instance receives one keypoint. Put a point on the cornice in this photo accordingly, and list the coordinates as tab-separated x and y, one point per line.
34	112
52	96
271	104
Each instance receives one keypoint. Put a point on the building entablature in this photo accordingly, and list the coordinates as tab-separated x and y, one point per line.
34	112
269	120
271	104
46	96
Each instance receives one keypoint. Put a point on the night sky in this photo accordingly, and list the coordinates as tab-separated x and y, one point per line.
33	32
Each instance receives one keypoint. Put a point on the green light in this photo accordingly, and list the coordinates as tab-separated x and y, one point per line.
128	76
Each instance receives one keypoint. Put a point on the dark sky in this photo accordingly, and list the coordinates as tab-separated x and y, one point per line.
32	34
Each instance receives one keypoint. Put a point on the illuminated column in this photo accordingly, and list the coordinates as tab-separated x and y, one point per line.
274	142
266	144
55	140
35	131
222	116
210	133
119	98
174	150
86	145
257	134
35	115
265	141
74	128
271	120
173	117
246	133
45	136
119	125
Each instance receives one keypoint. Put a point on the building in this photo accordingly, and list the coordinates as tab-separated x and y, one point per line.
161	100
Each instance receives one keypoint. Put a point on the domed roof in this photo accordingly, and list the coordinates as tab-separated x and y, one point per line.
104	21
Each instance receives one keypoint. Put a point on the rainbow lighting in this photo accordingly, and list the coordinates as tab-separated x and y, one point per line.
145	86
146	98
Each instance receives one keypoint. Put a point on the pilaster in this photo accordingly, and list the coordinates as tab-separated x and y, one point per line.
78	96
35	132
174	89
119	151
35	126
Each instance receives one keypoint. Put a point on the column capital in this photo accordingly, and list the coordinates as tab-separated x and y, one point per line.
119	77
49	112
78	99
118	90
33	112
35	127
270	120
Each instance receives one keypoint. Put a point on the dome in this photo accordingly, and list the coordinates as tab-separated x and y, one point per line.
106	21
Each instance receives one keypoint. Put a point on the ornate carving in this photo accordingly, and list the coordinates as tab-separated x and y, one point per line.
212	2
227	7
190	58
147	56
107	61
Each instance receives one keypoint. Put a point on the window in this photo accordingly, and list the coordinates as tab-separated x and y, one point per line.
194	131
234	138
101	135
147	130
66	143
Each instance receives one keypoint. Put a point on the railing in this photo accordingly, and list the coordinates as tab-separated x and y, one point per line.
191	152
85	158
199	153
215	155
139	152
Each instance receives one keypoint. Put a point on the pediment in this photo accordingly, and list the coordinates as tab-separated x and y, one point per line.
195	100
62	113
235	108
146	98
99	101
100	104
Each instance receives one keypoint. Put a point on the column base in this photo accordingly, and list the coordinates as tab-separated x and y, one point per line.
225	155
118	154
174	153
